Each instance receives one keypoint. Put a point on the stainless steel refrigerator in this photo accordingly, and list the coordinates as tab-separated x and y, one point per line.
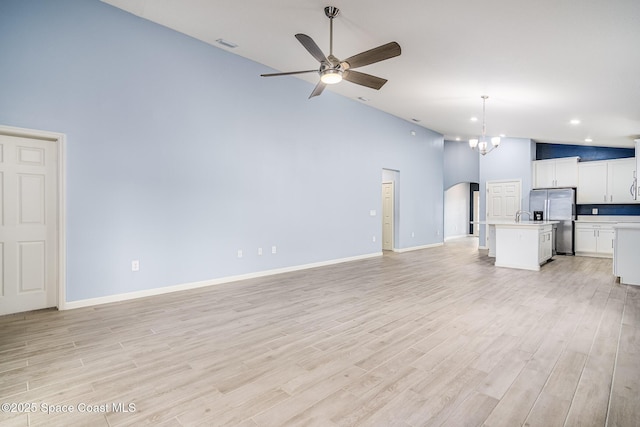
557	205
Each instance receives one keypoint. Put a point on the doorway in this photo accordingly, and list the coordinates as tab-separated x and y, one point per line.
30	220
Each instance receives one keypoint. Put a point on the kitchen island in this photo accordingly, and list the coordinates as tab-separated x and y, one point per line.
525	245
625	254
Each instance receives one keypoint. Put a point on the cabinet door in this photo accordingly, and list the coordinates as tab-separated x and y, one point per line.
545	250
586	240
605	241
620	180
544	173
592	182
567	172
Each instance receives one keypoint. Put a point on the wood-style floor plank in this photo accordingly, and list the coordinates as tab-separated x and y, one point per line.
434	337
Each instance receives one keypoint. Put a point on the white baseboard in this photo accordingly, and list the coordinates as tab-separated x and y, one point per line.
416	248
194	285
459	236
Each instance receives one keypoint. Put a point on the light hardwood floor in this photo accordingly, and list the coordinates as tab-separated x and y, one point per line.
432	337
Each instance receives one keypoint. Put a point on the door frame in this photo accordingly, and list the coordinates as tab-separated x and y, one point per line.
60	140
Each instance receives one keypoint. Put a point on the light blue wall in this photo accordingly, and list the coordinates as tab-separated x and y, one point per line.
461	164
179	154
511	161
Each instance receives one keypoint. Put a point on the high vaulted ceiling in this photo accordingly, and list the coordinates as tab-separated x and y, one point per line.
542	63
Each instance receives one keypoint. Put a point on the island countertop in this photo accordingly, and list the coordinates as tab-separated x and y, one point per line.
517	224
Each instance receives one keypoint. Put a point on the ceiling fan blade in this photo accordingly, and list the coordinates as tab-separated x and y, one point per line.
318	89
364	79
288	73
312	47
374	55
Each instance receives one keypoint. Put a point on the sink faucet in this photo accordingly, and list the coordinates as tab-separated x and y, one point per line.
519	214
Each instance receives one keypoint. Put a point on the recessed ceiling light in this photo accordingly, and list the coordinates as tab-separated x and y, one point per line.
575	122
226	43
502	135
457	138
474	119
588	140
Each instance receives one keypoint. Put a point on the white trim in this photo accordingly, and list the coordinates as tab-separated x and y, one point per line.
459	236
417	248
194	285
60	140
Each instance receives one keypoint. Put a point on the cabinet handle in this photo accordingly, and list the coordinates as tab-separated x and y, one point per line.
611	198
605	198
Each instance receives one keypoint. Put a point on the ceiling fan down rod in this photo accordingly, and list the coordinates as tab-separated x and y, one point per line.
331	13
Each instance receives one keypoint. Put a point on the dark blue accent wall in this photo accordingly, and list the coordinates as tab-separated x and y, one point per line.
587	154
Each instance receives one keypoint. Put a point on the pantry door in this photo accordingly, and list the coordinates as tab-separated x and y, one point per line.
503	200
28	224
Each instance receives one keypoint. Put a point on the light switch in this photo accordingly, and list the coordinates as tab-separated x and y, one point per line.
372	212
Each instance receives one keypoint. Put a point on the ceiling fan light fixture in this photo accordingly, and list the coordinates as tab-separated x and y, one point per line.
331	76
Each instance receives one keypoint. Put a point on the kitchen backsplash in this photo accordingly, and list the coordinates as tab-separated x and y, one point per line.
609	209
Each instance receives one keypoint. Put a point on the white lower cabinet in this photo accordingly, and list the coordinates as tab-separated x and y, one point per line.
594	239
545	247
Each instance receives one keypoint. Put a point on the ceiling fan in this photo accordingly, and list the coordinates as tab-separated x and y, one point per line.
332	70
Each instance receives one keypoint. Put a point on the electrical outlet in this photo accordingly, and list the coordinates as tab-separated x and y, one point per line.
373	238
594	211
259	251
240	253
413	234
273	249
135	265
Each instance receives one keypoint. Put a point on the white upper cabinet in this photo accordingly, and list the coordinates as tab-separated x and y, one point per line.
553	173
592	183
607	181
620	179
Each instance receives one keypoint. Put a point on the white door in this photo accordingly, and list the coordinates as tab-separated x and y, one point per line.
28	224
503	200
387	216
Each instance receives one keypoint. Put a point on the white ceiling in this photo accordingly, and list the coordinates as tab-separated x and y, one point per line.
542	62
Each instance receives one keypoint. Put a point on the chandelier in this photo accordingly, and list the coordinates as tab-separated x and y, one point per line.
483	146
